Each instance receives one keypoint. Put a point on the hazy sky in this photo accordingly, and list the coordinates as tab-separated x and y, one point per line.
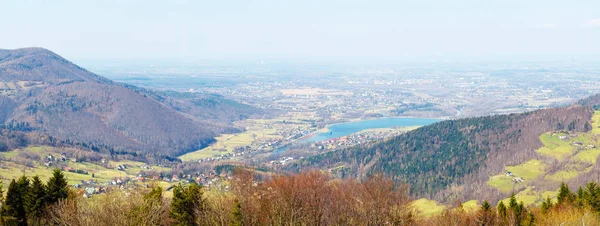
224	29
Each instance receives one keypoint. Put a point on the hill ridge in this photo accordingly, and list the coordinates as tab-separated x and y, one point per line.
52	97
453	159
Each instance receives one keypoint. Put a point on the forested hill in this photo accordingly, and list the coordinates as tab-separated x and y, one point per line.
46	97
453	152
43	66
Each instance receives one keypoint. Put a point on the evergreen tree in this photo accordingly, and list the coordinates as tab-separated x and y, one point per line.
580	197
1	195
23	184
564	194
13	210
486	216
57	187
547	205
530	220
587	127
236	213
485	206
194	192
186	204
1	202
180	211
36	199
520	212
512	203
501	209
591	195
154	196
517	209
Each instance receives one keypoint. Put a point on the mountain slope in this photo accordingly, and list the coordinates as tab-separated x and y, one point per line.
41	65
46	94
457	154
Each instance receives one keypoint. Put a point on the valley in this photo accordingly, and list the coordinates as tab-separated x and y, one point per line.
109	137
300	113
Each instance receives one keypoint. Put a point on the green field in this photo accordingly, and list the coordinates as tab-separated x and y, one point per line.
501	182
558	153
532	196
428	208
573	159
11	170
257	132
596	123
225	144
471	205
555	147
551	142
528	170
588	155
563	175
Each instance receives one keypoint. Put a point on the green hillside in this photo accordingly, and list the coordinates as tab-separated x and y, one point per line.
444	155
564	157
31	161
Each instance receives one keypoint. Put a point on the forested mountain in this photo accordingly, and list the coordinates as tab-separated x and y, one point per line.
38	65
42	93
455	154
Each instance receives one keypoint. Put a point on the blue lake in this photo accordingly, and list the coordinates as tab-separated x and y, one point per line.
345	129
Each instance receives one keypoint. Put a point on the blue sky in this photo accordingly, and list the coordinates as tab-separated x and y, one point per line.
222	29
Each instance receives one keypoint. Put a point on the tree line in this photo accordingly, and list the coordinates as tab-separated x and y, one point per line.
27	201
581	207
307	198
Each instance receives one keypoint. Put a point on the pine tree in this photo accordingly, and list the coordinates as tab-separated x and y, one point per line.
1	203
547	205
23	184
36	199
186	204
177	202
512	203
591	195
520	212
587	127
580	197
154	196
57	187
194	192
530	220
517	209
1	195
564	194
485	206
13	210
501	209
236	213
486	216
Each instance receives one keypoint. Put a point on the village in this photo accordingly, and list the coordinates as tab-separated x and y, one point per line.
338	143
91	177
91	187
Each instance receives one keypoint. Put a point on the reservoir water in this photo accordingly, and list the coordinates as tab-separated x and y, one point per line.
345	129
